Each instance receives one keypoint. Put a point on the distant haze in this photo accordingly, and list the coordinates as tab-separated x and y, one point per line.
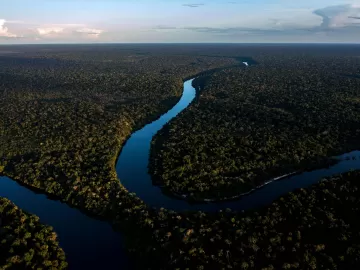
92	21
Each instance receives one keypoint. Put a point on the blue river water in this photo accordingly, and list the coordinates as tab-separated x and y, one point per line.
92	244
132	170
87	242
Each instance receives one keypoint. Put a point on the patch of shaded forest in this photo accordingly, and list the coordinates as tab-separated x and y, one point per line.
249	125
25	243
314	228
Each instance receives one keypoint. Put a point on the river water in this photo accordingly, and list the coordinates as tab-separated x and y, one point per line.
92	244
87	242
132	169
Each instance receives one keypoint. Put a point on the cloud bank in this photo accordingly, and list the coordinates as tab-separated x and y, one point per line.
90	32
337	22
4	31
193	5
338	16
221	22
49	30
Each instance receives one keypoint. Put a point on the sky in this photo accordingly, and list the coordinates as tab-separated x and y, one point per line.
178	21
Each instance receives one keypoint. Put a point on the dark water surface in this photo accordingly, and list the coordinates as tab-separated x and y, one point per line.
87	242
92	244
132	170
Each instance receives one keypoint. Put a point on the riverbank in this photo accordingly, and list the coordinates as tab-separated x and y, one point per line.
197	235
252	124
201	198
149	221
133	166
27	243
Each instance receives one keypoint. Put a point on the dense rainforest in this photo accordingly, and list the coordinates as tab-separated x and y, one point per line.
67	110
63	120
314	228
249	125
25	243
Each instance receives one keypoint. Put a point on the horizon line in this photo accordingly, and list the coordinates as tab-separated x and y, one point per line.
181	43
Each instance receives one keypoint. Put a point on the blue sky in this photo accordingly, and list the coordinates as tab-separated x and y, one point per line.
74	21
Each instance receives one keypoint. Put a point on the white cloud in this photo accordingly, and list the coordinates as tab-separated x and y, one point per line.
279	20
90	31
356	3
338	16
49	30
4	31
67	31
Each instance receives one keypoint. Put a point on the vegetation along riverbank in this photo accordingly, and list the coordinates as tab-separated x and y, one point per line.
314	228
247	126
66	112
25	243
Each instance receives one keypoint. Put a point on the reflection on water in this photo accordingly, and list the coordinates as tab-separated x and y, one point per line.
88	243
92	244
132	169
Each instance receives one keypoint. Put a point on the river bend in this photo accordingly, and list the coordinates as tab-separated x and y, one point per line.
92	244
132	170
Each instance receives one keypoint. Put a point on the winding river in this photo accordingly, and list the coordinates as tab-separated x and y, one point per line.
132	169
92	244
